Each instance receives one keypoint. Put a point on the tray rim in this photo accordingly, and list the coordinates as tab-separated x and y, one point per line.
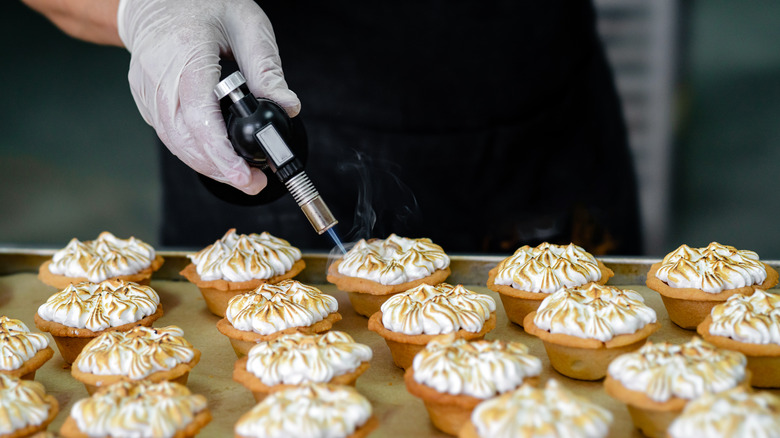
467	269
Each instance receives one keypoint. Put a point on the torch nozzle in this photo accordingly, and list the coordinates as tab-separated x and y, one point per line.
308	198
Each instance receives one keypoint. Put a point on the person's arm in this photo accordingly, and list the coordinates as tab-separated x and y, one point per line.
89	20
175	49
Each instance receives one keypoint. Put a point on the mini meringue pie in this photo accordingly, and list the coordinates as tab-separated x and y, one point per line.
584	328
749	324
372	271
552	411
452	376
238	263
295	359
25	408
153	354
315	409
107	257
138	409
409	320
530	275
692	281
82	311
272	310
21	352
658	380
735	413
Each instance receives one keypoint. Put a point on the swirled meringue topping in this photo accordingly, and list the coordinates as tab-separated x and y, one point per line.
550	412
594	311
22	404
274	307
394	260
753	319
434	310
297	358
17	344
105	257
478	368
313	410
137	409
712	269
136	353
735	413
664	370
548	268
244	257
98	306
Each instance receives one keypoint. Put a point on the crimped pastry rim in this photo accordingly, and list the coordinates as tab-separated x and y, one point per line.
507	290
426	393
32	364
615	389
588	343
346	283
254	384
62	281
179	370
226	328
54	409
62	330
746	348
375	325
191	274
692	294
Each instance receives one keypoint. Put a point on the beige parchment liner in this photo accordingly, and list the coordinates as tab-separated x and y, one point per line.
399	413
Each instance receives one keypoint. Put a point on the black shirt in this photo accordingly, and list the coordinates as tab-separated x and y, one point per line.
482	125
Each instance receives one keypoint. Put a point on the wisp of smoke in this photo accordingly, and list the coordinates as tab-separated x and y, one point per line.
372	176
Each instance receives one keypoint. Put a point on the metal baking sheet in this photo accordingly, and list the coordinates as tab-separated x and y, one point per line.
400	414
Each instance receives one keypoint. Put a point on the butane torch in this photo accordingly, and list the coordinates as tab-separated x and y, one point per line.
260	130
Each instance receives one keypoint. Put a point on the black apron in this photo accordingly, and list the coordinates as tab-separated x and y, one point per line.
482	125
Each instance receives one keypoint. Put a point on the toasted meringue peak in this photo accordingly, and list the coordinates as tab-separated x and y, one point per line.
550	412
735	413
243	257
316	410
274	307
297	358
394	260
712	269
136	353
753	319
434	310
664	370
105	257
98	306
548	268
22	404
478	368
138	409
17	344
594	312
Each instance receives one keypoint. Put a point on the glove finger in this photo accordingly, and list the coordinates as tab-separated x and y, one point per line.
251	38
257	183
203	121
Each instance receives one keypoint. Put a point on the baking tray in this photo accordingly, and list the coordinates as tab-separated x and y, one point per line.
400	413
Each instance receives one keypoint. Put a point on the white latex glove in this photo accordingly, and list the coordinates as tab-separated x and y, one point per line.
176	46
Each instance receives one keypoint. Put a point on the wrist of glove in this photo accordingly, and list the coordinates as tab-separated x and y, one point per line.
175	48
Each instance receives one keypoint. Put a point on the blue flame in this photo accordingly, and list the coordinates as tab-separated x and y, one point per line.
336	240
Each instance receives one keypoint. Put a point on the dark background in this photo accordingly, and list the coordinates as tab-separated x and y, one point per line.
76	158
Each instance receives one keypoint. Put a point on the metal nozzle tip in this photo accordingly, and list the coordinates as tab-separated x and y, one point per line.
319	215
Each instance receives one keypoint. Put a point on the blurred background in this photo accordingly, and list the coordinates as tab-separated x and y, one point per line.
700	84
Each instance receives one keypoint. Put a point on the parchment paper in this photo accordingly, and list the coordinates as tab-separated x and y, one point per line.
400	414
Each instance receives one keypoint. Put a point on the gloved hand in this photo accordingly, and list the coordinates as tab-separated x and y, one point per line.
176	46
